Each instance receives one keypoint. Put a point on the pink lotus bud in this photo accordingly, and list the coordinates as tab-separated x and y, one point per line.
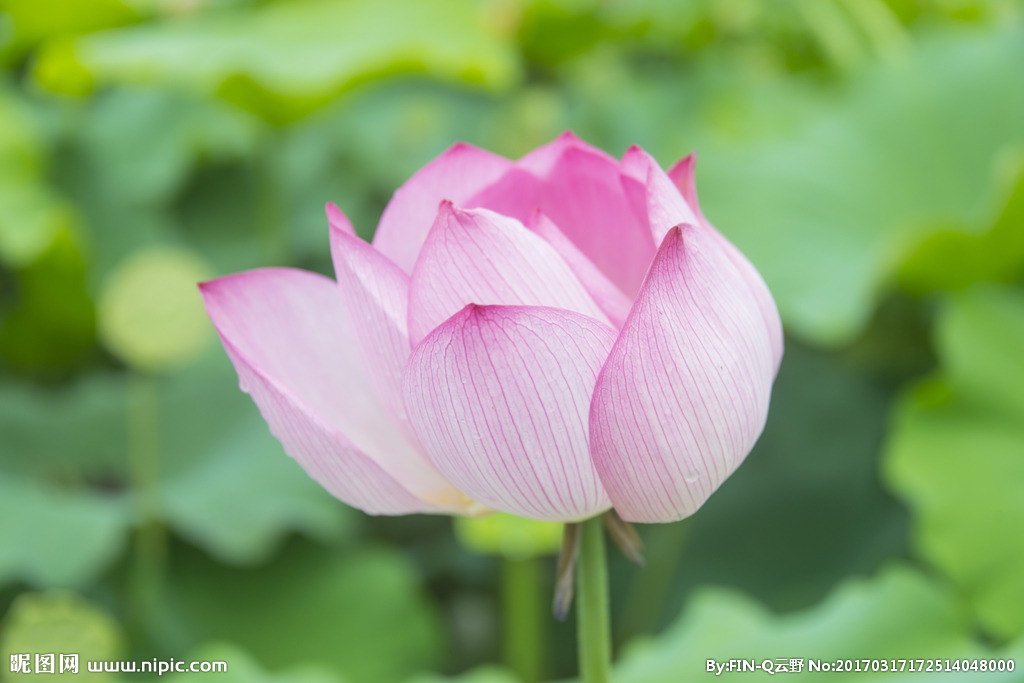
548	337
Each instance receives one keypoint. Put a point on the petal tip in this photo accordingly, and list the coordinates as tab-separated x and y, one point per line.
460	147
337	220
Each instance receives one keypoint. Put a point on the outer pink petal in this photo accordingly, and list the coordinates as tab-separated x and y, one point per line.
287	334
336	218
666	207
542	161
481	257
458	174
610	298
684	393
500	396
684	175
579	189
375	294
673	201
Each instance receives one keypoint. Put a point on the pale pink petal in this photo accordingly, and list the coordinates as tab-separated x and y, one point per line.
579	189
375	294
673	201
458	174
323	452
290	340
684	393
542	161
480	257
666	207
684	175
336	218
500	395
610	298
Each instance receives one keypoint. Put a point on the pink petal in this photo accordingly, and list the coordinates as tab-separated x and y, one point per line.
610	298
672	203
579	189
375	292
456	175
337	219
289	338
542	161
684	393
480	257
684	175
666	207
499	396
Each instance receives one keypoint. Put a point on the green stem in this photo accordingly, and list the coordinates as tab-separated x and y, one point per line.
593	625
270	204
523	610
144	464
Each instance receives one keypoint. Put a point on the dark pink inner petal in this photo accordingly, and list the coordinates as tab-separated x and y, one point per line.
582	193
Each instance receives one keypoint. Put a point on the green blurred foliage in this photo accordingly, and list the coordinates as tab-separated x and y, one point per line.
359	615
898	614
283	60
866	155
57	623
221	481
956	258
244	668
957	455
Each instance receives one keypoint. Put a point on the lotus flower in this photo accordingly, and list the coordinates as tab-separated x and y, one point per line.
549	337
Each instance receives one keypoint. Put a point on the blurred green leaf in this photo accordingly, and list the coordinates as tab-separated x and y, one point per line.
59	623
52	536
485	674
954	259
34	21
31	218
144	142
825	192
825	209
244	668
128	158
31	214
50	325
285	59
898	614
225	483
360	615
956	455
553	32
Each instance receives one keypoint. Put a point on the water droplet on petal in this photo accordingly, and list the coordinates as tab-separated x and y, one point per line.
691	476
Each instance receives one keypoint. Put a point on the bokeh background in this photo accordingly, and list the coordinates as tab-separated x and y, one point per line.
867	155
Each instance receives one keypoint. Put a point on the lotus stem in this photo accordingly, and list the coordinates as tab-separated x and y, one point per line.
593	625
524	618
